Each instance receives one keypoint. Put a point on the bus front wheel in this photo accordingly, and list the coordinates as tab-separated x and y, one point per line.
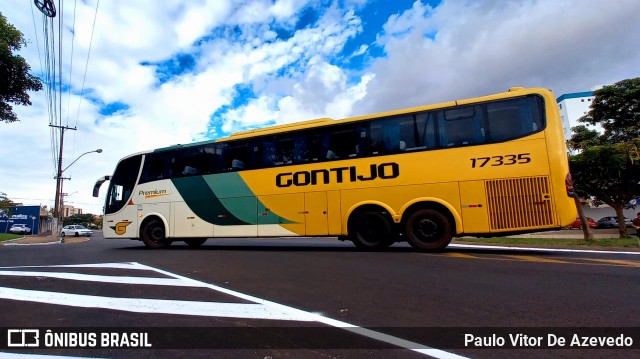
371	230
428	230
153	234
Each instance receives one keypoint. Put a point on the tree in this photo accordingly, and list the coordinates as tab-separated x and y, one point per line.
583	138
608	167
84	219
611	173
617	109
6	207
5	201
15	79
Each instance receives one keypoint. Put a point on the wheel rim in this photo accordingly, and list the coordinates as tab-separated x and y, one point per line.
427	230
369	234
371	230
156	234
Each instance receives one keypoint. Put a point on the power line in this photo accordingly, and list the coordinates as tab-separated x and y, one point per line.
73	38
84	78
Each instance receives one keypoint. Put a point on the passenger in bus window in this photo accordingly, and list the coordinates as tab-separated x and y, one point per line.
190	171
237	165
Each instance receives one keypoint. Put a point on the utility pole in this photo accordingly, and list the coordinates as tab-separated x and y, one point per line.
57	211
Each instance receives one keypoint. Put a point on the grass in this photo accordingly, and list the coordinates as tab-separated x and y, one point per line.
9	236
600	242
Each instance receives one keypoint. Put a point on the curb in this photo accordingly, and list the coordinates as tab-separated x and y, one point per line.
28	241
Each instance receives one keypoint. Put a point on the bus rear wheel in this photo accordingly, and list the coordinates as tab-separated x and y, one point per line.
195	242
153	234
428	230
371	230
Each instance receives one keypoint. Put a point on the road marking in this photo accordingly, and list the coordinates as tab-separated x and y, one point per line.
460	255
122	265
526	258
100	278
535	259
260	309
479	246
159	306
613	261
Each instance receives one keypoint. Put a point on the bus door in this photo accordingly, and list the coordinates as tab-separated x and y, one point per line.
474	207
186	223
315	212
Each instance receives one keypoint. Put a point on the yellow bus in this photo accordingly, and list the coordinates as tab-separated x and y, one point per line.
487	166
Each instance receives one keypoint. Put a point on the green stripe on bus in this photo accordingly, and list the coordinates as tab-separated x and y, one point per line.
239	205
239	199
204	203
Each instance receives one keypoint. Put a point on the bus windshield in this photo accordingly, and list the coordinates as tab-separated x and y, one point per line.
122	183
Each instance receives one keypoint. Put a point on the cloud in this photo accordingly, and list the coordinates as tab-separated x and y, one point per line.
464	49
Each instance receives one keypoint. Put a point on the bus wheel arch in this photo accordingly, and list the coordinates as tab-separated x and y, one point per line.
371	227
428	226
153	233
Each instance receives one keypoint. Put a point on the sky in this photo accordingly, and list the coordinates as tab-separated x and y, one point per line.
161	73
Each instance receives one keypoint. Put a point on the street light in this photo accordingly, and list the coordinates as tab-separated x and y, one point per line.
57	210
99	150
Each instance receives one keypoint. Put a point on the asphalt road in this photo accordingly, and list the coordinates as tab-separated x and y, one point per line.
292	298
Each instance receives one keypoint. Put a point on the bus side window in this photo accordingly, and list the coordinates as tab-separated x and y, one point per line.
300	153
344	142
237	156
284	151
154	168
385	137
425	131
268	152
462	126
513	118
318	144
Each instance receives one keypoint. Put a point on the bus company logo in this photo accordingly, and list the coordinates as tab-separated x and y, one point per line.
121	227
153	193
387	170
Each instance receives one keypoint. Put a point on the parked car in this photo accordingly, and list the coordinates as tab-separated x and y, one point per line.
612	222
578	223
20	229
75	230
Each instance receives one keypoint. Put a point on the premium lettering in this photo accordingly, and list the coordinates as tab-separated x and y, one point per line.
338	175
154	192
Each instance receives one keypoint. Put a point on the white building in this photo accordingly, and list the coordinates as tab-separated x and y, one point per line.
572	107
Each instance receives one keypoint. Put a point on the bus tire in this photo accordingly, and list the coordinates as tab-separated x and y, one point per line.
371	230
195	242
428	230
153	234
